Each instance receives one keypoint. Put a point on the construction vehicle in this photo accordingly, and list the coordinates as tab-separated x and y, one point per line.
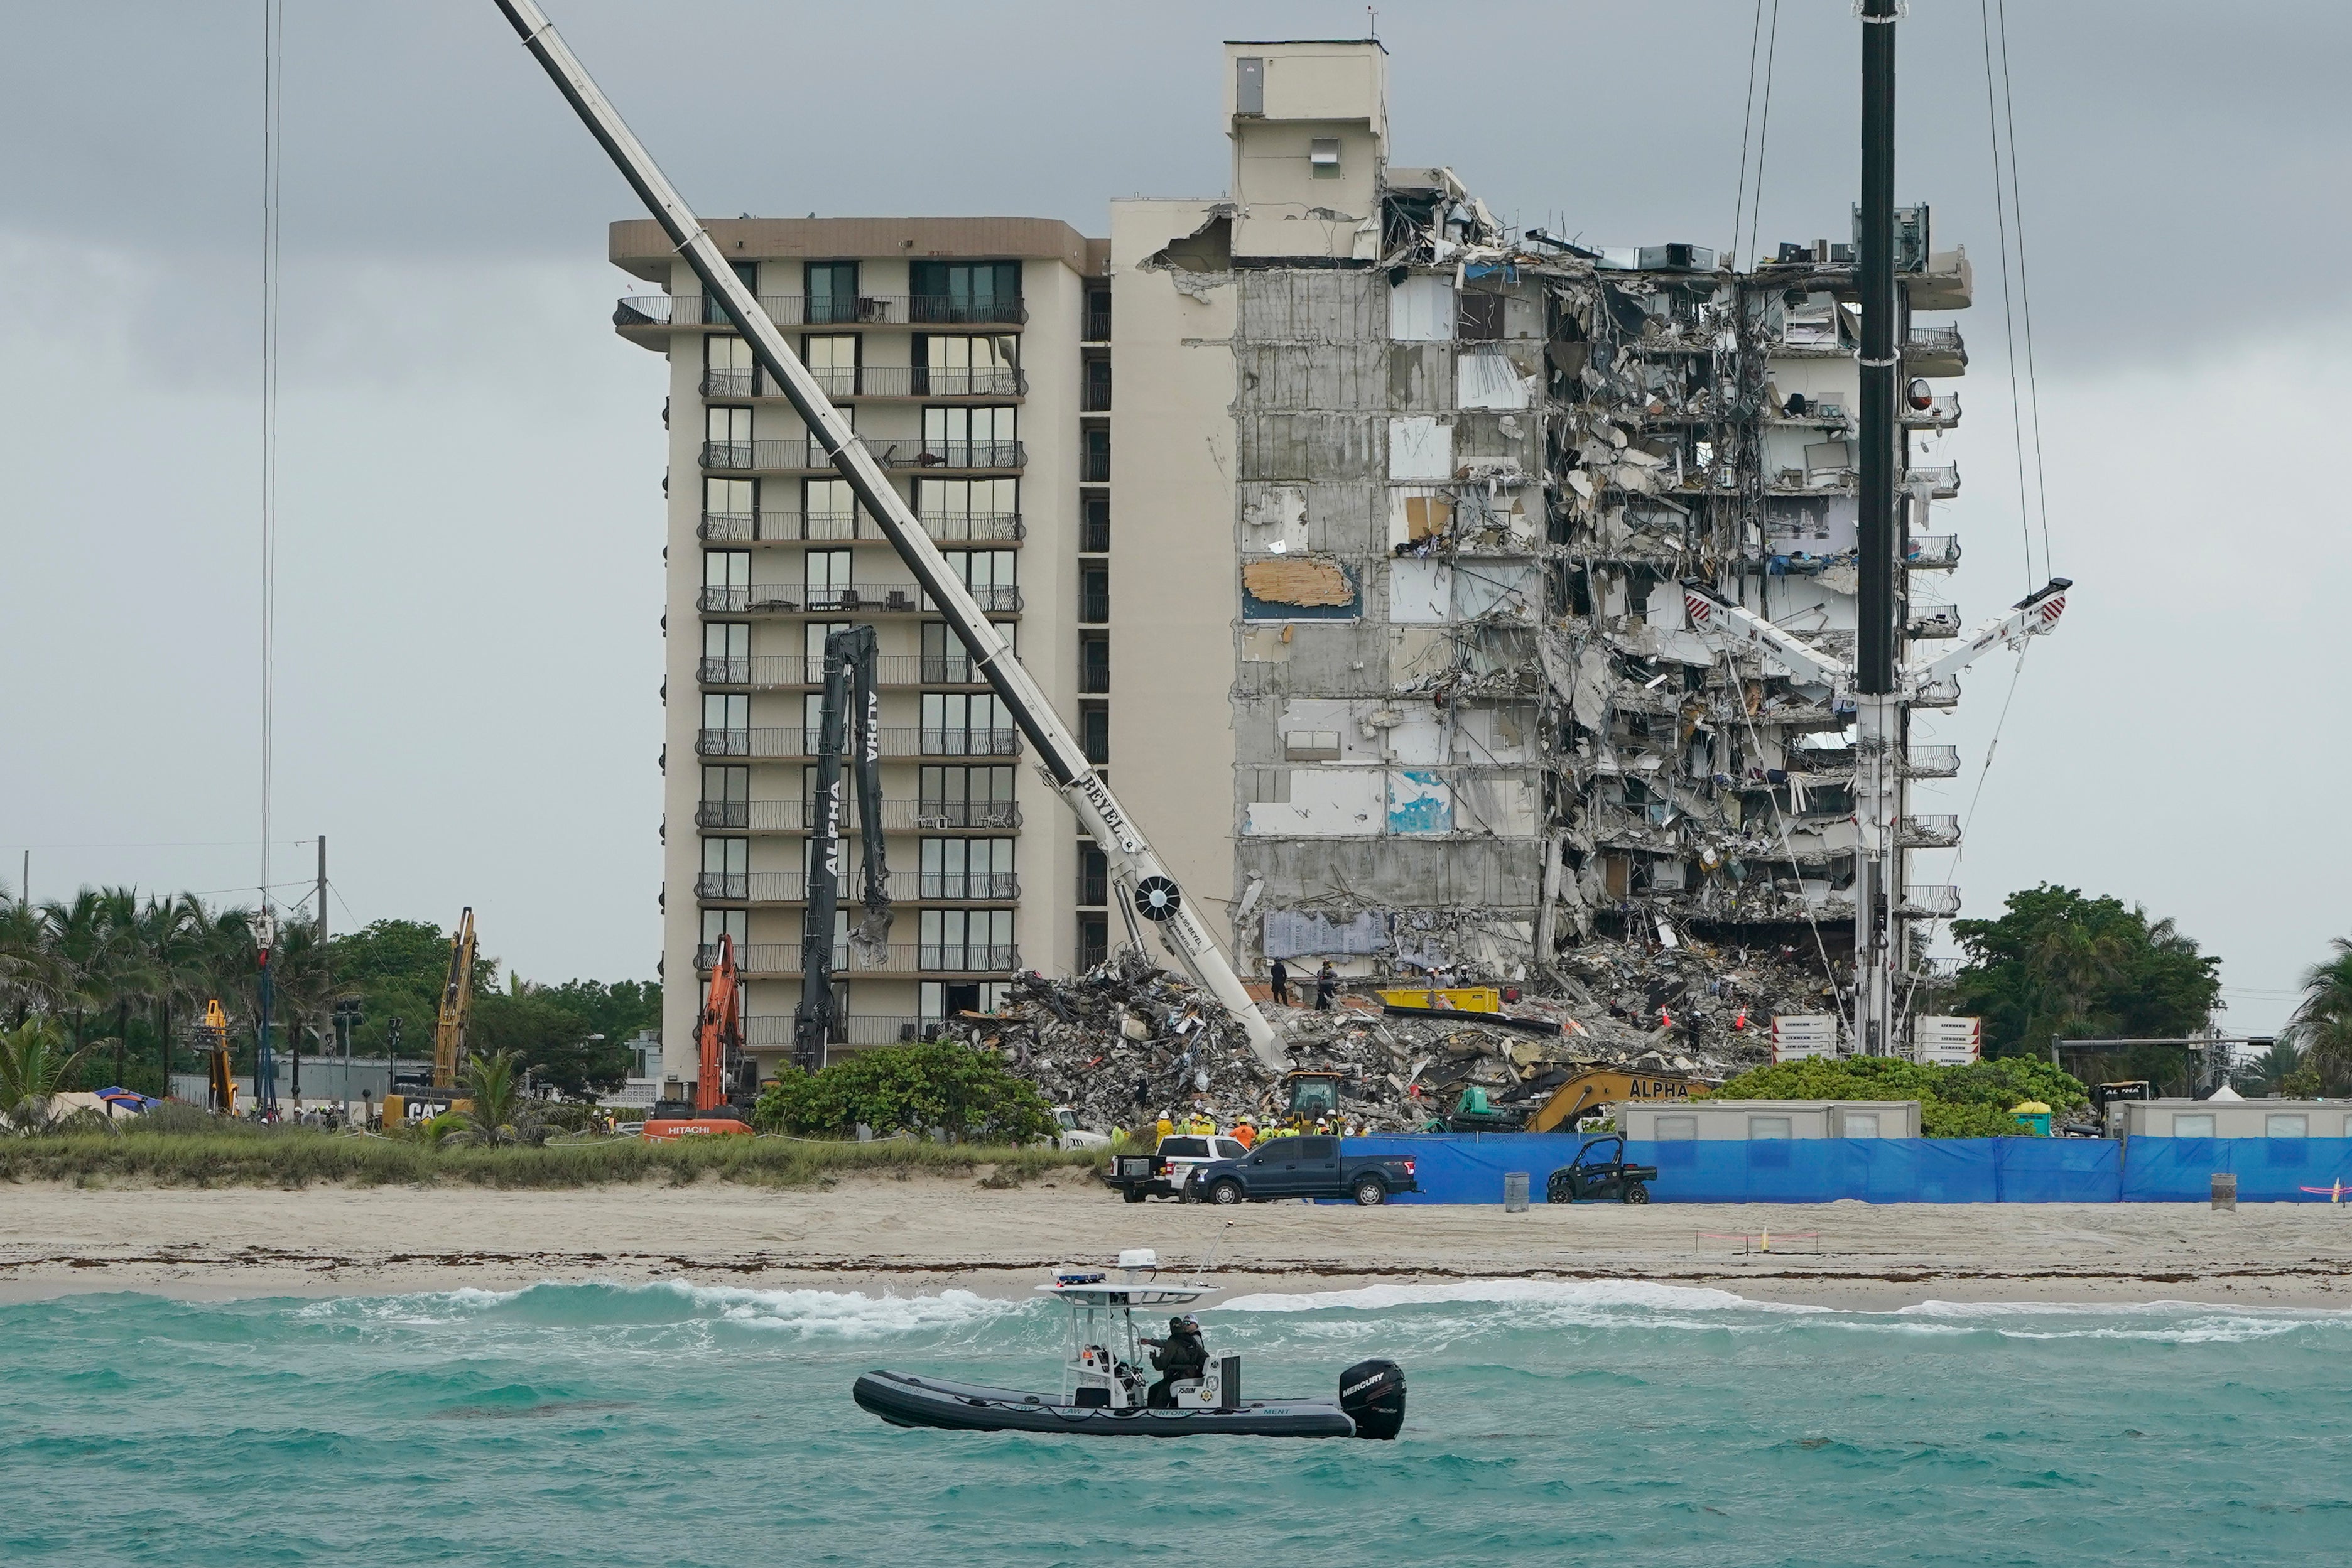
220	1085
457	1006
1313	1093
721	1105
1585	1093
1149	896
1601	1172
852	701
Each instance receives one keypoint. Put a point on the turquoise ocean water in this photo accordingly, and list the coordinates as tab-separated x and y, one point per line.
1551	1423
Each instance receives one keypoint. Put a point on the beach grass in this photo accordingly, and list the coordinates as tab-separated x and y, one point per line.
234	1155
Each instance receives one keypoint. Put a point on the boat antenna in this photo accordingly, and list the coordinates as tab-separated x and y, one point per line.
1212	1261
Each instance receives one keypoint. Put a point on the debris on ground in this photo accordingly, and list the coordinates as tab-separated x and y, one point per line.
1126	1041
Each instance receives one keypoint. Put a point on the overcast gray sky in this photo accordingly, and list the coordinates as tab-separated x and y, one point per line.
471	461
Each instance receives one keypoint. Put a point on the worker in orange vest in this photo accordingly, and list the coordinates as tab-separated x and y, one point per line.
1244	1133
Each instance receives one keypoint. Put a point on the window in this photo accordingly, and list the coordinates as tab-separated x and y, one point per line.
965	798
726	366
834	361
967	868
726	869
1479	317
832	288
990	574
969	508
1094	594
1323	157
733	923
967	367
951	292
971	437
726	711
1094	939
2188	1127
1311	745
726	578
1097	323
727	653
1185	1148
1095	461
828	511
1677	1128
1768	1126
827	575
1093	732
725	437
1094	396
1095	525
1094	875
956	725
1094	661
726	798
966	939
2282	1125
945	998
729	510
946	661
1859	1123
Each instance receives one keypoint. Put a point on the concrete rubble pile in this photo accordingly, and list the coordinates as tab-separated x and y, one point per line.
1126	1041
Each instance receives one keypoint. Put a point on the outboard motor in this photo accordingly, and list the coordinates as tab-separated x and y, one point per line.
1372	1394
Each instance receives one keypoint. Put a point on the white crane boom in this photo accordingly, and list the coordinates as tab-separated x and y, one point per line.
1711	611
2035	613
1153	894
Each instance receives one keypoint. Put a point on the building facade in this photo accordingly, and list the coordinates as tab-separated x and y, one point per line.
1404	504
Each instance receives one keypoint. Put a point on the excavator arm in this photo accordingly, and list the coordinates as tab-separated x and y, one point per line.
457	1006
719	1033
1143	880
850	714
2031	616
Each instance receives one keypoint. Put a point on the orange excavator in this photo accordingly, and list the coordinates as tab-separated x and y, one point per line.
719	1041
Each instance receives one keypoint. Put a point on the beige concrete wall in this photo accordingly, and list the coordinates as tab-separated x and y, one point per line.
1174	594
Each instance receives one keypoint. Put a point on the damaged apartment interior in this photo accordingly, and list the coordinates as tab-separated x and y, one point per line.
1471	468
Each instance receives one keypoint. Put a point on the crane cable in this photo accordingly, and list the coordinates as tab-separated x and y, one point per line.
1753	212
273	26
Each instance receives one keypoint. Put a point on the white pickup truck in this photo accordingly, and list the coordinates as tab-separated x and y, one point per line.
1069	1134
1165	1172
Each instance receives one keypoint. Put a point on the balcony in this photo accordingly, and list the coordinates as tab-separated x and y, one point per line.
1933	552
879	382
779	672
1942	483
1928	832
804	455
639	311
899	816
1934	621
895	741
1941	413
904	887
872	598
1094	606
1930	762
1096	326
768	1031
1094	397
1929	902
759	958
833	528
1935	352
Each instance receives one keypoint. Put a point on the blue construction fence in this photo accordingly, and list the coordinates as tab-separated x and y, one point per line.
1469	1167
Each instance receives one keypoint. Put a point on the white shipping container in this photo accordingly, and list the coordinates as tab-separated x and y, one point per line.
1796	1036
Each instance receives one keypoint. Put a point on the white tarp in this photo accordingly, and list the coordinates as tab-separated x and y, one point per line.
1421	311
1421	450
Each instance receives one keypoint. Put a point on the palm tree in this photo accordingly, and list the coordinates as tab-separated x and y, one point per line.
28	964
2322	1025
498	1098
172	935
76	938
31	1069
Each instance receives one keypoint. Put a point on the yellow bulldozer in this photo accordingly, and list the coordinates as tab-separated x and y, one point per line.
1585	1094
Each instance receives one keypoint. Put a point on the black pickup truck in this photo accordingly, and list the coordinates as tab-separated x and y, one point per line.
1310	1166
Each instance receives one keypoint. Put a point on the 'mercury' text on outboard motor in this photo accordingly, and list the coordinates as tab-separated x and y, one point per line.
1372	1394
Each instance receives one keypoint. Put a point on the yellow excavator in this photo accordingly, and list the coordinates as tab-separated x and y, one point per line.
449	1031
220	1085
1585	1093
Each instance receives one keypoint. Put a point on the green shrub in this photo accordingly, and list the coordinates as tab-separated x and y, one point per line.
907	1089
1971	1102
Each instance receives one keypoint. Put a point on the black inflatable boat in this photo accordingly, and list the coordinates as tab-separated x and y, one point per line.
1103	1392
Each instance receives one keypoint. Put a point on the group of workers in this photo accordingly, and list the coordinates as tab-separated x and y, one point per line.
1246	1131
1327	985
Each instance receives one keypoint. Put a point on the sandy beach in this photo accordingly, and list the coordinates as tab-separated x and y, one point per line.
921	1235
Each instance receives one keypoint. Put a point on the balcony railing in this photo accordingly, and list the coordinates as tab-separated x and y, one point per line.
1094	606
799	598
770	527
1933	901
1093	467
1934	551
906	886
1094	679
1096	326
1934	621
895	741
895	958
898	816
803	456
1928	832
1941	413
1095	398
1943	483
770	1030
825	310
880	382
1093	536
1931	762
777	671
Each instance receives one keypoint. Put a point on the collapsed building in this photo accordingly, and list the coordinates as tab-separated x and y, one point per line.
1470	726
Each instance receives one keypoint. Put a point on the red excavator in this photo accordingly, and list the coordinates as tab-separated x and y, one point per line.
718	1036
